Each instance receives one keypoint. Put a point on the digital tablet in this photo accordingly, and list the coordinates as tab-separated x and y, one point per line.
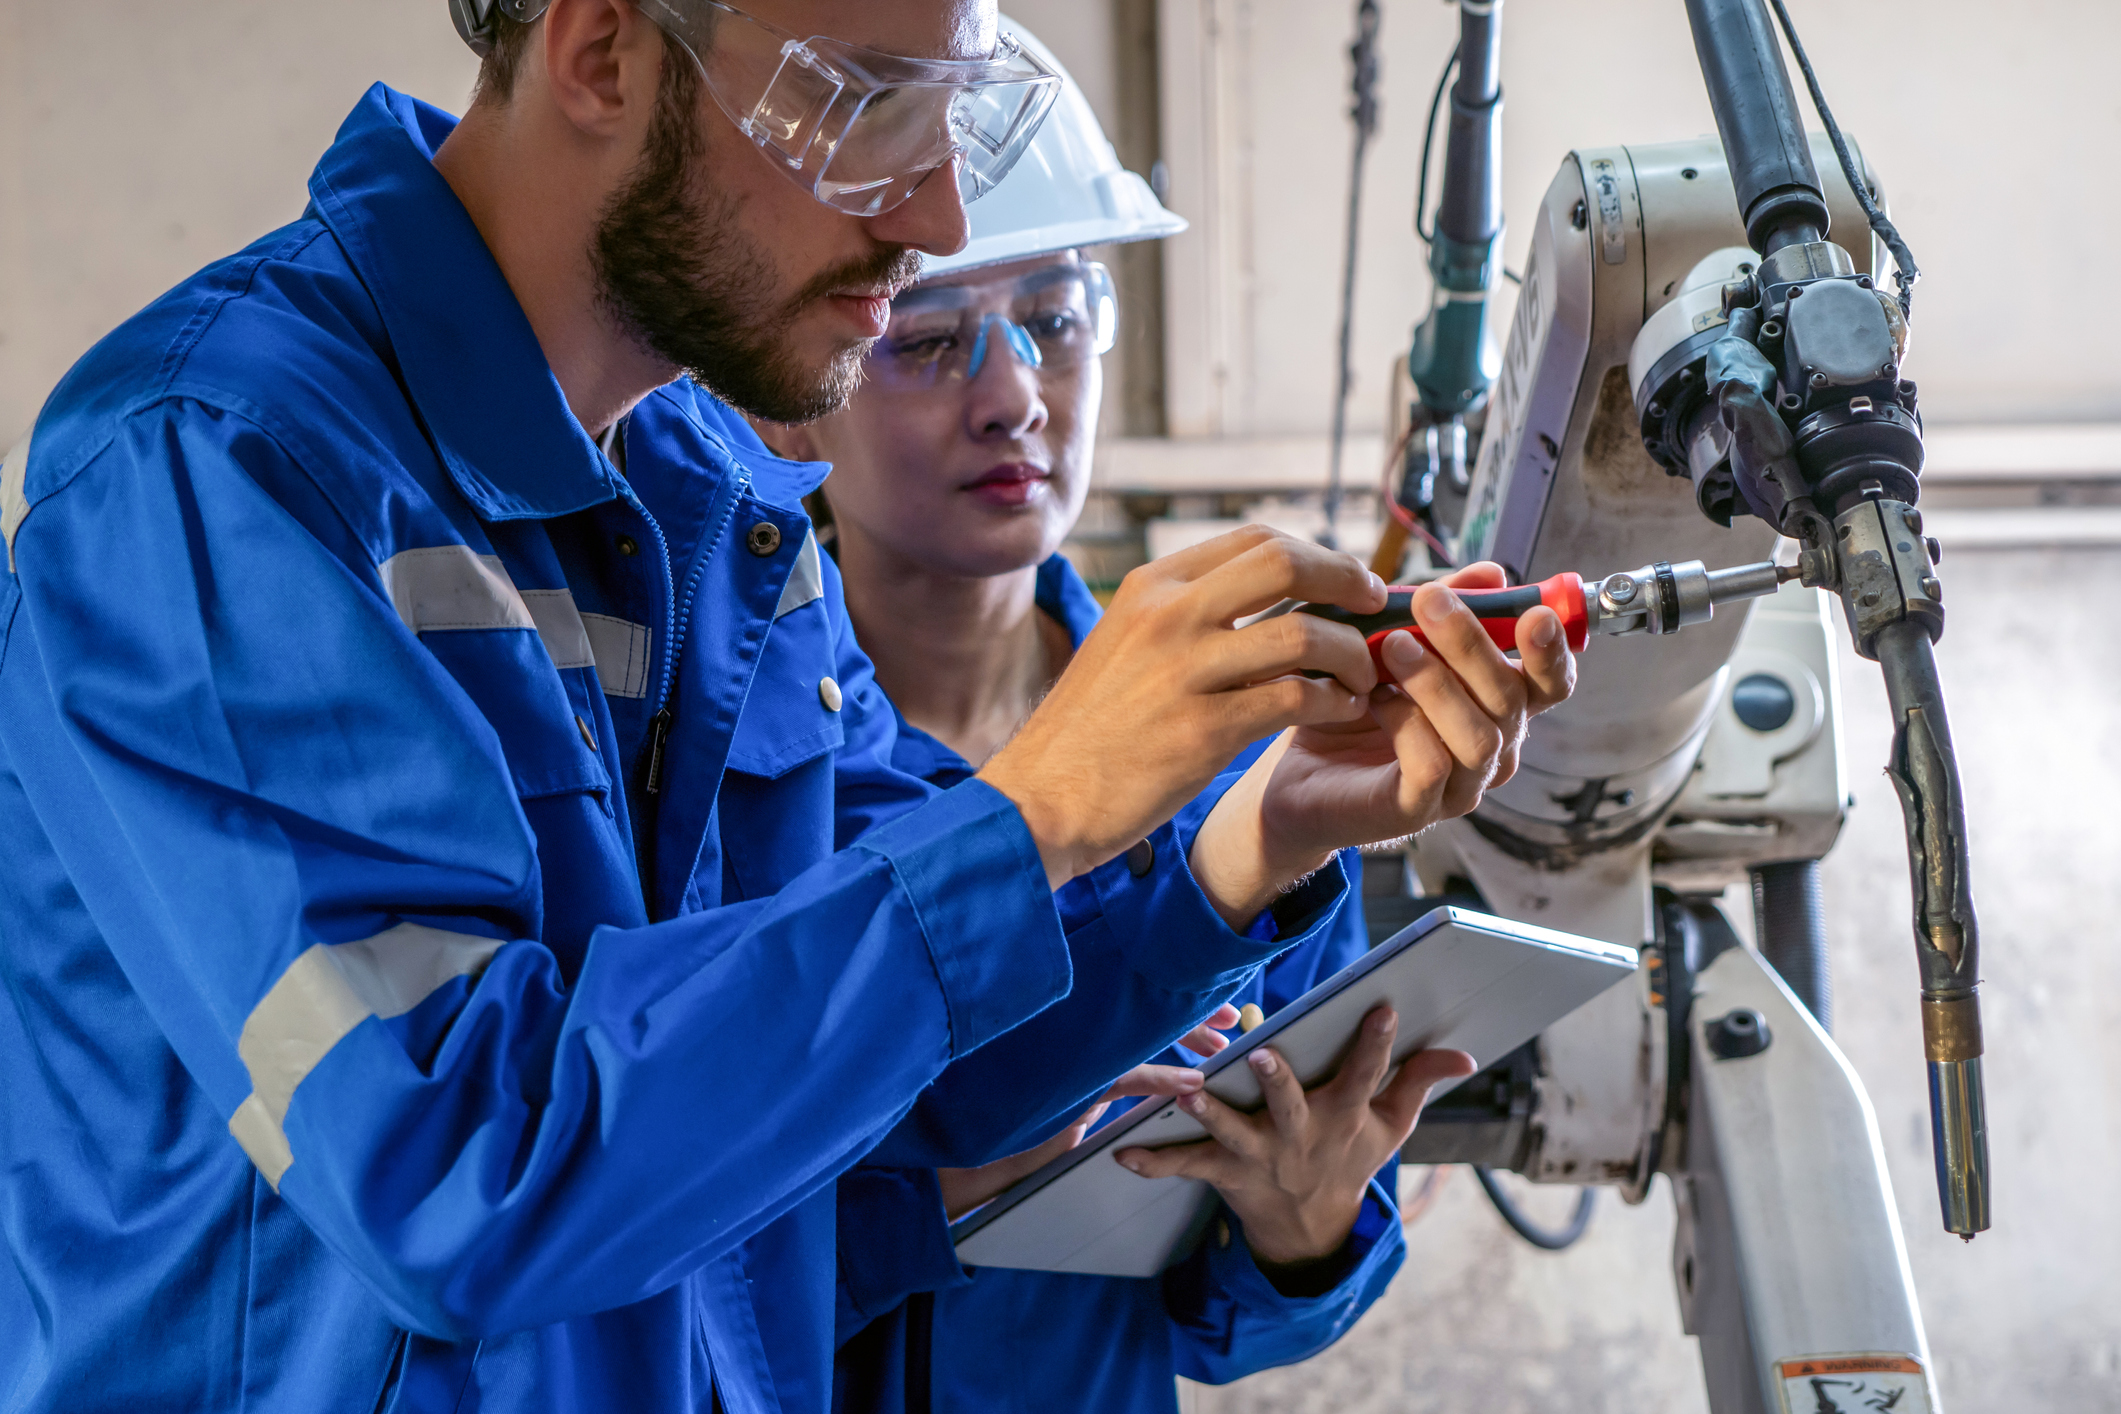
1459	980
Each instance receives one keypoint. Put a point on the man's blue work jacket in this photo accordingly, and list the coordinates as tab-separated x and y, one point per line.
459	913
923	1335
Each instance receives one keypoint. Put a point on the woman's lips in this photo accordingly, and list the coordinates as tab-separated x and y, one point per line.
1010	484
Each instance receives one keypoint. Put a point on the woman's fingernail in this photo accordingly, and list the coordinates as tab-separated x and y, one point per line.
1402	652
1130	1163
1434	608
1192	1104
1191	1080
1382	1022
1377	586
1262	1061
1545	632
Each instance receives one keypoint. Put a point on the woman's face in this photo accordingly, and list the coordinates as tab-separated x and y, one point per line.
956	454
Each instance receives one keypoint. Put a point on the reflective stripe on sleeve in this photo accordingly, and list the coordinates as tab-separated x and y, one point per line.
806	581
14	502
324	994
453	587
560	626
621	650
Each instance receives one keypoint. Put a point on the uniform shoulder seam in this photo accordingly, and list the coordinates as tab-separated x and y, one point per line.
203	318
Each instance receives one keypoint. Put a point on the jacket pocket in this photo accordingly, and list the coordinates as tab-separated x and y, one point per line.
792	714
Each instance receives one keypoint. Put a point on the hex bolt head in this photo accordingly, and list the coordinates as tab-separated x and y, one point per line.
1936	549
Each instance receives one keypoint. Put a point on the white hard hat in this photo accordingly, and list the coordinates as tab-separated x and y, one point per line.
1067	190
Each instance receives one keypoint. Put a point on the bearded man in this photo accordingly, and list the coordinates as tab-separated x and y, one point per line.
459	915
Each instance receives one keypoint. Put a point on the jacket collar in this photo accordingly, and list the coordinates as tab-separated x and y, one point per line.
1066	599
464	347
721	439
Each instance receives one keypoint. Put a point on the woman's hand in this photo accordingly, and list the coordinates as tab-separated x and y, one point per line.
966	1189
1296	1172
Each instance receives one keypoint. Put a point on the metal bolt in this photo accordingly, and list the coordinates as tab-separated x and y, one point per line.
1619	589
1933	587
1936	550
1818	380
1738	1034
1912	518
1870	600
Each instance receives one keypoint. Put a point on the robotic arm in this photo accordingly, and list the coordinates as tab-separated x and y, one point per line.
1693	368
1798	414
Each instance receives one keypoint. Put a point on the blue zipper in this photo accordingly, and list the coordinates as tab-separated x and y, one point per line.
678	616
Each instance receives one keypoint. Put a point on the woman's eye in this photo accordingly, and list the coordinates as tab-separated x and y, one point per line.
1054	324
923	348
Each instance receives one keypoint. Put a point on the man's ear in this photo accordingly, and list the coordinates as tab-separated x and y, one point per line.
603	63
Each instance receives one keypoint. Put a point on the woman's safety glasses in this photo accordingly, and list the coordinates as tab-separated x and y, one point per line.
857	129
1054	319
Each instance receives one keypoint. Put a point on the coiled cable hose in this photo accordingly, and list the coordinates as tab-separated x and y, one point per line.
1790	921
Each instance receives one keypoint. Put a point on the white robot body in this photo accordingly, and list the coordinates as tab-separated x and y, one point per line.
1789	1249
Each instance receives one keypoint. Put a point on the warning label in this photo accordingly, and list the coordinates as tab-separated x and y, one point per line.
1855	1384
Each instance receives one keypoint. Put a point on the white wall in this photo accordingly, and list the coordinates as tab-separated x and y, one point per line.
139	142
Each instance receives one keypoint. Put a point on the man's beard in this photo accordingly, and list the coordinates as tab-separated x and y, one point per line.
674	267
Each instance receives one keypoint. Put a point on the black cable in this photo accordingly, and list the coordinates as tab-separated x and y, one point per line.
1905	271
1789	914
1364	52
1428	141
1524	1227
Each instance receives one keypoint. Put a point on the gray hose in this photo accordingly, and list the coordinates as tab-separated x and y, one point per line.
1790	920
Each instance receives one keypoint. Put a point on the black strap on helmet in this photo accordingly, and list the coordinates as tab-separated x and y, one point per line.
474	19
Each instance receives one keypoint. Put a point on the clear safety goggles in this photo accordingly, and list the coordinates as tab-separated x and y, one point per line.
857	129
1054	319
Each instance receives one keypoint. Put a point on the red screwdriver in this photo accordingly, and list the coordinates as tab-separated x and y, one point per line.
1659	598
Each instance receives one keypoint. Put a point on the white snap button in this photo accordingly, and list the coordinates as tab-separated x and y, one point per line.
828	692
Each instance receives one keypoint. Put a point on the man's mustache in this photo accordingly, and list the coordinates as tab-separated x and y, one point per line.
894	266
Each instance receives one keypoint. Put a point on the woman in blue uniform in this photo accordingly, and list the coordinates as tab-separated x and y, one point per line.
959	468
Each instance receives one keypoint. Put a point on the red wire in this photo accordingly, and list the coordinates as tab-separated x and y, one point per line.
1390	494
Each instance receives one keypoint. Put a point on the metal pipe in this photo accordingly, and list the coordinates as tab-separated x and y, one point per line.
1779	196
1470	208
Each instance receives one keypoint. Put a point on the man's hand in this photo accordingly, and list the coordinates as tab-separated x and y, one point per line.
966	1189
1447	728
1167	689
1295	1173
